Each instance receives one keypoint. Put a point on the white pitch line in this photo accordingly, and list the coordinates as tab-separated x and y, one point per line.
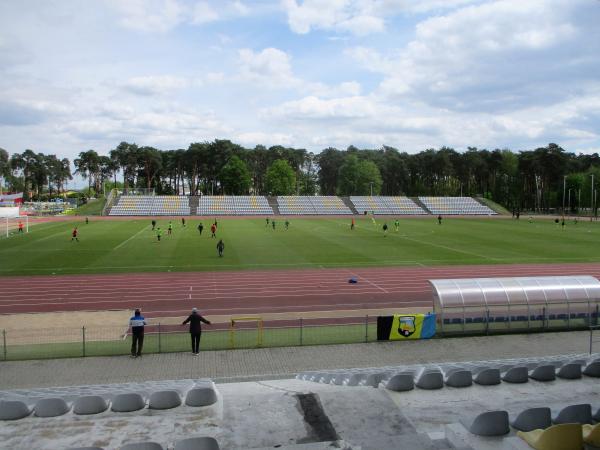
130	238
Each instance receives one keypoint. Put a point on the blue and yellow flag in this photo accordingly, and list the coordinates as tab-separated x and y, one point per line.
405	326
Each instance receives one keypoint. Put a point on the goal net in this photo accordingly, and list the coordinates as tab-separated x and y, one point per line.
248	329
12	223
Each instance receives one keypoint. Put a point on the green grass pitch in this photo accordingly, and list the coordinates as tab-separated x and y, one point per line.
114	246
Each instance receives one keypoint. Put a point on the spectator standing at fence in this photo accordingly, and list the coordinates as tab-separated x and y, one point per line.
136	323
195	320
220	247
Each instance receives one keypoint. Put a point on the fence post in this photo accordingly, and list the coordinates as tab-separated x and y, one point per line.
4	343
367	328
159	335
301	332
591	331
83	339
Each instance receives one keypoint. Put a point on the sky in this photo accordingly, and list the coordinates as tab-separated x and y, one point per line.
88	74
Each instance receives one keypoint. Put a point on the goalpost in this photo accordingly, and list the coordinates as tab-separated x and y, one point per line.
12	219
259	325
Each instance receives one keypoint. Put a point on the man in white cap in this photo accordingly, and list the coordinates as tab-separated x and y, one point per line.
195	320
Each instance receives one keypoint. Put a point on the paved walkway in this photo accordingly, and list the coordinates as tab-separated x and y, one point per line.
271	363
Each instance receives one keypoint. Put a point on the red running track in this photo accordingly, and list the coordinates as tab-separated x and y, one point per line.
251	292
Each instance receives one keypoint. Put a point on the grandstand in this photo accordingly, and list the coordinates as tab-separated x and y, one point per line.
386	205
150	205
233	205
321	205
455	205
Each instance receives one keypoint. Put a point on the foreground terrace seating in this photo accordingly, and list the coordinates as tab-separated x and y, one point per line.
556	437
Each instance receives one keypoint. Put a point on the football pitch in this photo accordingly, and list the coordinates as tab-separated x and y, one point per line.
124	246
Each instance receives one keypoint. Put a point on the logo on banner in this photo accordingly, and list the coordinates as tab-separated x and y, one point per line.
406	325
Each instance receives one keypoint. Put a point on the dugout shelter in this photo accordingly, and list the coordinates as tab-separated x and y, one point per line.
483	305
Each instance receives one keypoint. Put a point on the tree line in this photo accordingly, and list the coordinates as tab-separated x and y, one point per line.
526	180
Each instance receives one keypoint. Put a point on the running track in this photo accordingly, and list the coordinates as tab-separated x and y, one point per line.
251	292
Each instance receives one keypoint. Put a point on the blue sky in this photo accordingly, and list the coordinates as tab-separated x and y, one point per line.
79	74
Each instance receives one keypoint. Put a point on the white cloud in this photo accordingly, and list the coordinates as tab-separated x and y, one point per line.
270	67
359	17
155	85
315	108
202	13
149	15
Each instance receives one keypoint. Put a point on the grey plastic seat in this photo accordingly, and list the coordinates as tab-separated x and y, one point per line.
460	378
164	399
142	446
401	382
430	380
574	414
543	373
197	443
86	448
353	379
51	407
491	423
201	396
339	379
592	369
571	371
533	419
373	379
13	410
90	404
517	374
487	377
127	402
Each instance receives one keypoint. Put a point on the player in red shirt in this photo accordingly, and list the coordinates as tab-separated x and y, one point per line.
213	229
74	234
20	226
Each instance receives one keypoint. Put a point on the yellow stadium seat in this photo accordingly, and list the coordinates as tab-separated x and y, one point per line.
591	434
567	436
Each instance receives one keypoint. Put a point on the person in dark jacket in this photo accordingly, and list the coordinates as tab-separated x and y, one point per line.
220	247
136	323
195	320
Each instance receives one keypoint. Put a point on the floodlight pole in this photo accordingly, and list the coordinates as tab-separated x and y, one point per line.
592	200
564	189
569	202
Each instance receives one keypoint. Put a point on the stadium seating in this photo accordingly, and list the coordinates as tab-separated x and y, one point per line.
151	205
386	205
564	436
491	423
533	419
233	205
321	205
90	404
51	407
13	410
455	205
